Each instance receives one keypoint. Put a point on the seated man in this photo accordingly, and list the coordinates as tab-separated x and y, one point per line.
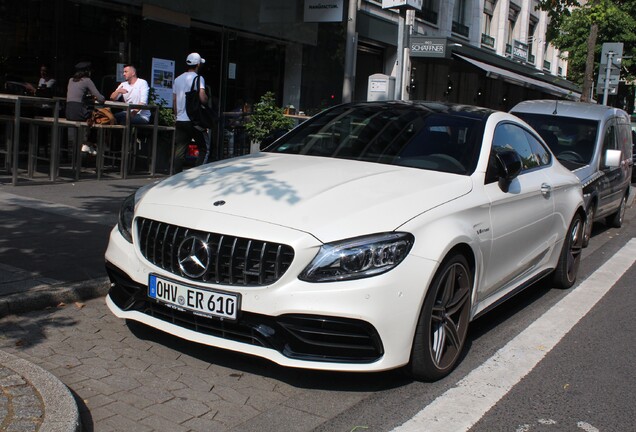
133	90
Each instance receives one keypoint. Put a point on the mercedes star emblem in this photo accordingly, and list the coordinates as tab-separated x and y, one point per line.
194	257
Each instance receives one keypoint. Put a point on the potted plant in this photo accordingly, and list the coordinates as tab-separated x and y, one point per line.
267	120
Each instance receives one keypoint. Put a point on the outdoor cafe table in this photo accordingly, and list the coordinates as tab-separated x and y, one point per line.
14	121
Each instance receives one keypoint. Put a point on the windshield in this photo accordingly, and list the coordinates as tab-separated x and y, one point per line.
391	134
570	139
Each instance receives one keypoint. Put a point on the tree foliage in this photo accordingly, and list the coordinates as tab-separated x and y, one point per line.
570	29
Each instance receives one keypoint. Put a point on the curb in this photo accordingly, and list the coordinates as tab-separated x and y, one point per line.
44	296
60	409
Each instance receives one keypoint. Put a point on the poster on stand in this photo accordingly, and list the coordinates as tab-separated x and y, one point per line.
162	80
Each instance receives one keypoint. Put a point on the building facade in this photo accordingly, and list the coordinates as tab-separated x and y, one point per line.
492	51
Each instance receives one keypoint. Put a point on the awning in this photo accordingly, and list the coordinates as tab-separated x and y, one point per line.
524	81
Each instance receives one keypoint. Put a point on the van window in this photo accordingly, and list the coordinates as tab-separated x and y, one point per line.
572	140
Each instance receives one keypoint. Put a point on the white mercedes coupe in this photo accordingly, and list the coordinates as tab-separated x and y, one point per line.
365	239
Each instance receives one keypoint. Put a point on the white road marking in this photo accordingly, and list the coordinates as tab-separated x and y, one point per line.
460	407
547	421
587	427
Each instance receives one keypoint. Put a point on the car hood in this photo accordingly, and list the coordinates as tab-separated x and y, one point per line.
328	198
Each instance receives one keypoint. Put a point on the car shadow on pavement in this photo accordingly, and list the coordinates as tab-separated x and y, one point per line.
247	364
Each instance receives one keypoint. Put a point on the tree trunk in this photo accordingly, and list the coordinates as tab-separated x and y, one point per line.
588	80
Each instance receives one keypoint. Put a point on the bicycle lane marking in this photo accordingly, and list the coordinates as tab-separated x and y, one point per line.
460	407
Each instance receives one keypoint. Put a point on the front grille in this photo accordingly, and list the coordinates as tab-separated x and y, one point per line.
304	337
231	260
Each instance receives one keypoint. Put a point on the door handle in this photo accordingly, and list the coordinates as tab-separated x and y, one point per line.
546	190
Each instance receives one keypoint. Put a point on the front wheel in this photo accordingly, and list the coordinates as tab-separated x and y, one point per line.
443	322
567	268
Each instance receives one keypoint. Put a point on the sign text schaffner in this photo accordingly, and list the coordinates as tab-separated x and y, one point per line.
428	47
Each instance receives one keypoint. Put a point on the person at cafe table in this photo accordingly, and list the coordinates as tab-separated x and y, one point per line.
133	90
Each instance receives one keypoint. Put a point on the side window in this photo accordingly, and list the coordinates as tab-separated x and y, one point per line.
543	155
609	140
511	136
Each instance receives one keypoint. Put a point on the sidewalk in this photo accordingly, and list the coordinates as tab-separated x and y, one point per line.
52	242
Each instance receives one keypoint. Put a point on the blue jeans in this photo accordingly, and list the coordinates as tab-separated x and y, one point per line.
136	119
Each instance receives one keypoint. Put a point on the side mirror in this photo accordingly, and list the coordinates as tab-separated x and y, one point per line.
613	158
508	167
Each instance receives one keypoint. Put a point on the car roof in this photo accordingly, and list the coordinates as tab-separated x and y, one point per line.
434	107
581	110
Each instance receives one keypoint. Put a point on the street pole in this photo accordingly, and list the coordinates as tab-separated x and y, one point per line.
351	47
608	69
399	73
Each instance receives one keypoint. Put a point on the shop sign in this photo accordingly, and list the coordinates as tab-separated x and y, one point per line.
402	4
428	47
519	51
324	10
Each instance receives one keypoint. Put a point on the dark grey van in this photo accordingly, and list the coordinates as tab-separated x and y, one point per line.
593	141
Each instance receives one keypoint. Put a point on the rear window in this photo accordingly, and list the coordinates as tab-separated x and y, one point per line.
572	140
405	136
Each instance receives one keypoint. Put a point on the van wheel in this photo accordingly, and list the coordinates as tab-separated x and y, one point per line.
616	220
443	323
589	223
567	268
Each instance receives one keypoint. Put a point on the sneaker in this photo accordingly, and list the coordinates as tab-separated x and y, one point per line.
89	148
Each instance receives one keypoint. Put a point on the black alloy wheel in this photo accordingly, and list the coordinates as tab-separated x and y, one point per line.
567	268
443	322
589	223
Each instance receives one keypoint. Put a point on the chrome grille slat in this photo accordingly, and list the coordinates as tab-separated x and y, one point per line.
233	260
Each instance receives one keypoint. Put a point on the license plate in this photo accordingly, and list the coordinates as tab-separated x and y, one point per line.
199	301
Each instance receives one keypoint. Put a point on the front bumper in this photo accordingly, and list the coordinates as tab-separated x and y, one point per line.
360	325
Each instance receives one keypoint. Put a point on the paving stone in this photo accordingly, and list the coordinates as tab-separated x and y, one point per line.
127	410
91	371
263	400
230	395
188	405
156	395
170	413
97	400
133	399
160	424
197	395
230	414
277	419
205	425
123	423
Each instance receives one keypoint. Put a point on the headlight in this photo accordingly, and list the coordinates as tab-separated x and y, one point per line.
126	214
127	211
358	258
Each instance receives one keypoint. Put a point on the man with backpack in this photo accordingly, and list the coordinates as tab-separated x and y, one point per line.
185	129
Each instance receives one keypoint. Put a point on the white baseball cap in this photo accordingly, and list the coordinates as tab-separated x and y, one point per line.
194	59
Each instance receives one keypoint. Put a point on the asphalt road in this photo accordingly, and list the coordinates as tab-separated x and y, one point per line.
126	376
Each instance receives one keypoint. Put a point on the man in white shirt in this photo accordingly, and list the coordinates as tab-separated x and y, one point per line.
185	130
133	90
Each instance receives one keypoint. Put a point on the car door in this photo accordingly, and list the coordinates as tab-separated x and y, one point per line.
522	219
610	190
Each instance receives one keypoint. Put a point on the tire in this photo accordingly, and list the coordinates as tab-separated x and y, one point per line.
589	223
567	268
615	220
443	322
